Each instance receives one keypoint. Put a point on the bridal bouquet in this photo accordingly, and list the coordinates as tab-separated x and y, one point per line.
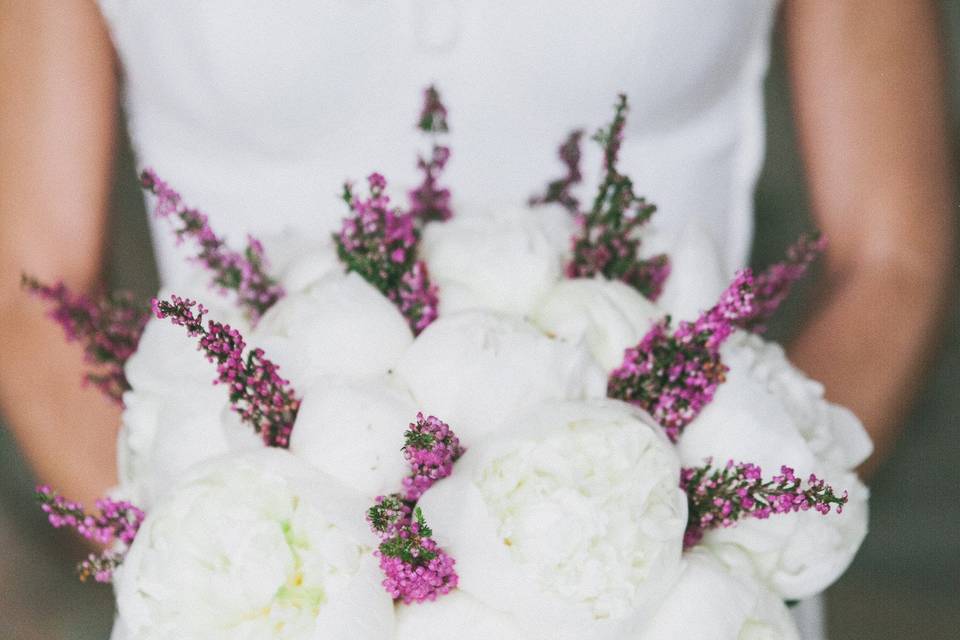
482	425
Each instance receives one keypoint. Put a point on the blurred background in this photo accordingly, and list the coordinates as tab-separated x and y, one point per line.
905	582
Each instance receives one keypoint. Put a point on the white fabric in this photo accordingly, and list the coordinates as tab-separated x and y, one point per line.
258	111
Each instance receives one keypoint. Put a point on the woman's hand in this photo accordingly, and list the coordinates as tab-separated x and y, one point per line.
57	120
868	80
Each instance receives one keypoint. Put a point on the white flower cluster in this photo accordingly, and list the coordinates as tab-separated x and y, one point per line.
259	545
771	414
564	515
570	521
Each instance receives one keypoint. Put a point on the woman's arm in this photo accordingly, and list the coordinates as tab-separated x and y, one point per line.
868	84
57	119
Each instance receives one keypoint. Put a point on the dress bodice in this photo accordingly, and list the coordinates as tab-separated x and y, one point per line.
258	111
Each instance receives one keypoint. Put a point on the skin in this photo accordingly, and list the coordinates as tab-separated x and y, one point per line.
869	103
56	152
868	86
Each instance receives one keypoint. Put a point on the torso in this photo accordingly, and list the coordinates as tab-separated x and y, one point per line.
258	111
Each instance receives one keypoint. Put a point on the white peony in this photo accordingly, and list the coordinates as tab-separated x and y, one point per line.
299	258
709	602
771	620
769	413
163	434
476	371
572	521
174	415
797	555
607	315
458	616
503	261
697	277
252	547
341	325
354	430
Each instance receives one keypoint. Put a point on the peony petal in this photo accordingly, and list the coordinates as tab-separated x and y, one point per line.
606	315
477	370
354	430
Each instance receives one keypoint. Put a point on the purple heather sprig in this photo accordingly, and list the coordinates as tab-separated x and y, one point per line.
116	522
773	286
416	569
414	565
109	327
380	244
433	114
431	449
429	201
721	497
99	566
257	392
558	191
673	375
244	272
607	242
417	297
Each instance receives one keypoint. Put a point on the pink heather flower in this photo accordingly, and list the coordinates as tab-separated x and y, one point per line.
722	497
410	582
558	191
110	329
430	202
431	449
116	522
416	569
99	566
257	392
773	286
673	375
377	182
380	243
417	297
607	241
433	115
244	272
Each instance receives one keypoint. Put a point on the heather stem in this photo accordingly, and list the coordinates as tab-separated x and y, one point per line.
433	114
559	190
430	202
257	392
109	328
416	569
773	285
431	448
415	566
116	524
720	497
673	375
244	272
380	244
607	241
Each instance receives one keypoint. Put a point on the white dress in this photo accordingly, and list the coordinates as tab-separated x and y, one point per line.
258	111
